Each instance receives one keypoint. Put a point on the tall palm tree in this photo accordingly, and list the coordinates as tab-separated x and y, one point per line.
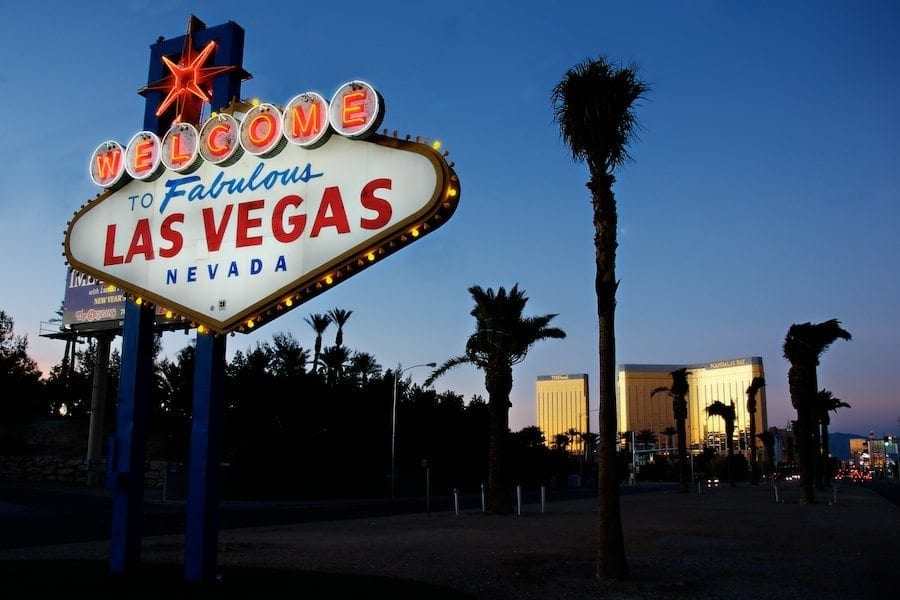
593	103
319	323
678	392
670	433
503	335
803	345
728	414
339	317
825	402
756	384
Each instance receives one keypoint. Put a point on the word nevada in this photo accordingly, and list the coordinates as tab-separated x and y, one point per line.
355	110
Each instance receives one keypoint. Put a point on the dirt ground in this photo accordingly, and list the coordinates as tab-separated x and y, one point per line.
742	542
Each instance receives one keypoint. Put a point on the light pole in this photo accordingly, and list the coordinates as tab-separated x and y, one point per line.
394	418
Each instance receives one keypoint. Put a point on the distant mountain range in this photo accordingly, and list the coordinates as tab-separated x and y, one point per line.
839	443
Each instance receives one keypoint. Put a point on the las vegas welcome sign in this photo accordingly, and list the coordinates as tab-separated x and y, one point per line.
232	222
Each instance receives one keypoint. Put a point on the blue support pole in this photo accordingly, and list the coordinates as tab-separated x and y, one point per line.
128	448
201	534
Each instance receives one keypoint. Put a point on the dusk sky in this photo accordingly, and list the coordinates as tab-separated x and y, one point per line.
764	188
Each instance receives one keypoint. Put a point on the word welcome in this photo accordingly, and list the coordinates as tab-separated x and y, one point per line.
306	121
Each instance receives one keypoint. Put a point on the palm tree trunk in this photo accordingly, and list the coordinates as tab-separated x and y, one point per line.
611	560
751	443
679	407
819	457
802	386
826	461
729	443
498	384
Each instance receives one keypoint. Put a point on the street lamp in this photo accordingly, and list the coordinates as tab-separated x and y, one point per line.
394	418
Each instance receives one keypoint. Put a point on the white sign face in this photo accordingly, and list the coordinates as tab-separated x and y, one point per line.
220	244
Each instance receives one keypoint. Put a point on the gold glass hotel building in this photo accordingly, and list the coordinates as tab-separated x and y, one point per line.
723	380
562	405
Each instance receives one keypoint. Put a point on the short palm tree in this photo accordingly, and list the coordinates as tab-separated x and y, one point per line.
728	414
670	432
827	402
593	103
646	439
678	392
339	317
803	345
319	323
756	384
363	367
561	442
575	439
335	359
768	441
589	441
503	335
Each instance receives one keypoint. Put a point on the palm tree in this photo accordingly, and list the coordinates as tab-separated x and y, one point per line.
670	433
561	442
825	402
678	393
363	367
646	437
593	104
756	384
589	442
340	317
728	414
768	441
803	345
503	335
574	435
319	323
335	359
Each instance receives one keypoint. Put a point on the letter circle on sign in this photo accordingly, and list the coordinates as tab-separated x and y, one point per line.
356	109
305	120
220	140
181	148
143	157
261	131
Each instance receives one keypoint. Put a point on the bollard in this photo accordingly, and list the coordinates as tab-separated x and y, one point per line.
456	500
483	502
543	497
519	500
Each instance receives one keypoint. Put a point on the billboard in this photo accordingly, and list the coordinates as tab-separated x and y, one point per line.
90	305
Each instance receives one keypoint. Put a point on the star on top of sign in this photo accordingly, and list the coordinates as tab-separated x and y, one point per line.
189	83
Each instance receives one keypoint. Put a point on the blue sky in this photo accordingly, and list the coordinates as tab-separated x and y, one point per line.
764	188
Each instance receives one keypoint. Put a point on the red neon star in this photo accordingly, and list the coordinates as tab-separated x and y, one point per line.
184	86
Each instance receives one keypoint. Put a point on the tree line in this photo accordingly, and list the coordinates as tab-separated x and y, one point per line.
306	423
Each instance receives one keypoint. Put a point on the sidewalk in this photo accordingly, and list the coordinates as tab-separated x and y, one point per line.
725	543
